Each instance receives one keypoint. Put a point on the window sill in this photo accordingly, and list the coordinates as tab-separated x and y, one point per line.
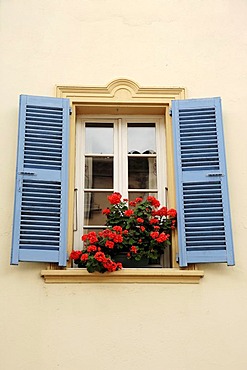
131	275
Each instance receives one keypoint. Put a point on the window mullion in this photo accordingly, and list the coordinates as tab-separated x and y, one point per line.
123	153
161	160
79	184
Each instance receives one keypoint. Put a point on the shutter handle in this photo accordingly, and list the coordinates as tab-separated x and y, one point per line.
27	173
215	174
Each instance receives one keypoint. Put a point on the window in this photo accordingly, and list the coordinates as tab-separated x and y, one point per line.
44	217
120	153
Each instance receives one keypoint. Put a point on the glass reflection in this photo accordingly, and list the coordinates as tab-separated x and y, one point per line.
141	138
98	173
94	203
142	173
99	138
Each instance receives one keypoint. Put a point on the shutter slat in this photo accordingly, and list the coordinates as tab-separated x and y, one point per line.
40	217
204	226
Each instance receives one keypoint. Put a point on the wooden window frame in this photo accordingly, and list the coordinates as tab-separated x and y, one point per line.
121	96
120	179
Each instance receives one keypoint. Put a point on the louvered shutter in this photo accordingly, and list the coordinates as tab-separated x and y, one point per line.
204	225
40	213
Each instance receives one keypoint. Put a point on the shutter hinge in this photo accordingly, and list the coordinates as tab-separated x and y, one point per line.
177	257
70	111
170	112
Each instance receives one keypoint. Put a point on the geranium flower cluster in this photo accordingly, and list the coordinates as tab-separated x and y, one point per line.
139	228
96	255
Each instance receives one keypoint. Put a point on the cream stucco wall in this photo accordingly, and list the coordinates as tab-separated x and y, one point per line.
196	44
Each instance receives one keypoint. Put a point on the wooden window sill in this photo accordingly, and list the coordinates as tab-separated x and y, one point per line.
127	275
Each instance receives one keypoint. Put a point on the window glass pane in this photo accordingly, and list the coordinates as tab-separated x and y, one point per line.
141	138
94	203
99	138
98	173
94	229
142	173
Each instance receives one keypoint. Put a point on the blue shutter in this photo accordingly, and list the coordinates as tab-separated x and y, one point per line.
204	225
40	213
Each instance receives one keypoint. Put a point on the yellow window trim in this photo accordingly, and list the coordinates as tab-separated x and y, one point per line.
140	275
121	96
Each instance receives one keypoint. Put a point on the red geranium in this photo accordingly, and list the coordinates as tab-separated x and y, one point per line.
75	255
155	203
133	249
115	198
172	212
162	212
91	248
142	231
132	203
162	237
106	211
140	220
138	200
154	221
117	238
129	212
118	229
92	237
154	234
109	244
84	257
100	256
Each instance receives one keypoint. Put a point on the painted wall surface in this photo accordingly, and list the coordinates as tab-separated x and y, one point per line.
196	44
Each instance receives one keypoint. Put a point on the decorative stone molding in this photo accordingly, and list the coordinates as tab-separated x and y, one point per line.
120	90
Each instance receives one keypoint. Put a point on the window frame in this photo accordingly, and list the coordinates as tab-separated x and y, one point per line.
120	179
121	96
